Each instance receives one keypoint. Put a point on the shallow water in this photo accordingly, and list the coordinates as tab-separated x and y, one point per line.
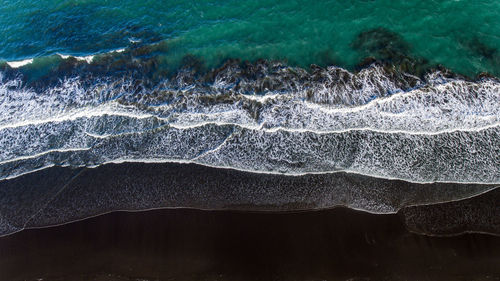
462	35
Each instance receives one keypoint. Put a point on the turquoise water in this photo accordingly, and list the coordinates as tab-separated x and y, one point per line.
461	35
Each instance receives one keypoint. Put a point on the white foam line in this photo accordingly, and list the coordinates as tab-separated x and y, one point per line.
28	157
348	206
194	161
107	111
88	58
379	100
479	193
64	56
217	148
16	64
102	136
182	161
262	98
319	132
191	161
72	116
137	210
27	172
106	136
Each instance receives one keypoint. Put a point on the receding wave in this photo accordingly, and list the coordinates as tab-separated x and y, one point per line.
60	195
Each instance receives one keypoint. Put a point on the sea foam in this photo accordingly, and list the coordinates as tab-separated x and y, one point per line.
279	119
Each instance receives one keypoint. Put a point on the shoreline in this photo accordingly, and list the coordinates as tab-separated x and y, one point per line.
60	195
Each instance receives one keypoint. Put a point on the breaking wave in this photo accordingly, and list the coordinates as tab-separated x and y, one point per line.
262	117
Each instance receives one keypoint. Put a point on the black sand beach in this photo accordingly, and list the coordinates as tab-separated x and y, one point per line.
249	140
186	244
62	194
254	231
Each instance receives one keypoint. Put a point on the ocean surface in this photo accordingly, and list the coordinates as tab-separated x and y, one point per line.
380	106
461	35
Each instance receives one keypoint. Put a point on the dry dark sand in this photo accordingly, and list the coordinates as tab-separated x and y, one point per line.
185	244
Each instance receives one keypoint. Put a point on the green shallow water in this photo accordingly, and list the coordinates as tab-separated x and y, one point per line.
462	35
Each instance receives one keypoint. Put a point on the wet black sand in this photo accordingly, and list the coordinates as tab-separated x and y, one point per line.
261	241
186	244
62	194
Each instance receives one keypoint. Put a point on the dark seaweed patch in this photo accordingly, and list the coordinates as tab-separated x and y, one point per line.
389	48
480	48
381	43
483	51
139	62
329	57
149	64
193	63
